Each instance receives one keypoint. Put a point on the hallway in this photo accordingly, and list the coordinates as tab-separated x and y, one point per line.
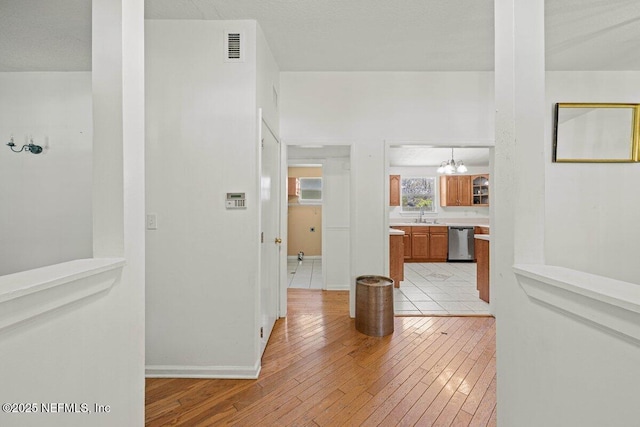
318	370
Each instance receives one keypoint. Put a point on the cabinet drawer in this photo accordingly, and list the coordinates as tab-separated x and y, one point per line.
420	230
439	229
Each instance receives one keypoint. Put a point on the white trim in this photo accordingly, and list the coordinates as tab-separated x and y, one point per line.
218	372
610	304
27	294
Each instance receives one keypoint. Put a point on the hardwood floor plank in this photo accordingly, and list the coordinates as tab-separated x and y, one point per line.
451	410
481	364
308	409
317	370
493	420
462	419
326	416
483	414
480	388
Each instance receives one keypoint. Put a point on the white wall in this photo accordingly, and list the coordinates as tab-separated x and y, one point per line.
46	217
336	216
267	82
369	108
92	351
202	269
556	369
591	211
442	212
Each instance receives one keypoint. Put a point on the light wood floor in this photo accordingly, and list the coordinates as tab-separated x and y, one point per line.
318	370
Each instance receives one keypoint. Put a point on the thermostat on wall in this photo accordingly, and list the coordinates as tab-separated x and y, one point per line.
235	201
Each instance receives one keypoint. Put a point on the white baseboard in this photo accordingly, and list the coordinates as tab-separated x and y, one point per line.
217	372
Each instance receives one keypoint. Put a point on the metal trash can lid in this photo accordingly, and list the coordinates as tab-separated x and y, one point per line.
374	280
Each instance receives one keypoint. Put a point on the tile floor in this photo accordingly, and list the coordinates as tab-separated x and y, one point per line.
306	274
437	288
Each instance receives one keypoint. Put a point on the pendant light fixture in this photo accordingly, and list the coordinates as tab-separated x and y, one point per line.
450	167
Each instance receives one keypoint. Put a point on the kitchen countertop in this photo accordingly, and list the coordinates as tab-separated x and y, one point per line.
394	232
443	224
482	236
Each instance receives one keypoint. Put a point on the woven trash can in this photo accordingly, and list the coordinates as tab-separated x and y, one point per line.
374	305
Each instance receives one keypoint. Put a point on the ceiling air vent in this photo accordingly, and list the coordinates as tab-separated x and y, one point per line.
233	46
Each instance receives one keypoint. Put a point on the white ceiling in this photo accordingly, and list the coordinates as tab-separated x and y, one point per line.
44	35
433	156
346	35
295	152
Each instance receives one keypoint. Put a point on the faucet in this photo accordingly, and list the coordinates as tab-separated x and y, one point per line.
421	214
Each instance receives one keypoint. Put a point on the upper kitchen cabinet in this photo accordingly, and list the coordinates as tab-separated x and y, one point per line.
293	186
455	190
480	188
464	190
394	190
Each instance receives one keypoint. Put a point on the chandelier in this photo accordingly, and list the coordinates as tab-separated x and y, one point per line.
449	167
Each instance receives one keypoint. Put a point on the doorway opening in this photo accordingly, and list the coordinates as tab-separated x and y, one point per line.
318	217
435	282
304	226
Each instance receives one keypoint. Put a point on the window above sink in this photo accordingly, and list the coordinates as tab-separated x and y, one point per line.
418	194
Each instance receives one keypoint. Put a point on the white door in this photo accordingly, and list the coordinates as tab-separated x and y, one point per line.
270	229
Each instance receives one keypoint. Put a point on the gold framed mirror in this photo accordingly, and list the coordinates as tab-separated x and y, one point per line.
596	133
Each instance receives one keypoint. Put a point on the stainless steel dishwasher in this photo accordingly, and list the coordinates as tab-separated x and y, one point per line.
461	244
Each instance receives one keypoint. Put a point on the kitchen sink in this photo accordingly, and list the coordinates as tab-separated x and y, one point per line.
425	222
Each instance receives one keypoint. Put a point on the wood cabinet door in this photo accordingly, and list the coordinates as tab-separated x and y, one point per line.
455	190
448	191
407	246
439	243
452	191
394	190
464	190
407	241
482	276
293	186
396	259
480	190
420	245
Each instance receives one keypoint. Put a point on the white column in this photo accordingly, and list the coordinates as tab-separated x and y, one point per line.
517	208
119	190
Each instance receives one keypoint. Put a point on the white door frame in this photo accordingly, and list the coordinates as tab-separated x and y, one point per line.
283	213
262	123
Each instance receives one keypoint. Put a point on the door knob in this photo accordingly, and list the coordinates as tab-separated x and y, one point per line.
278	240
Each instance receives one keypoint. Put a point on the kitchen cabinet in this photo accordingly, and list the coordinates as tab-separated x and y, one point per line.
406	241
455	190
293	186
394	190
425	244
480	190
396	259
438	243
482	276
420	242
478	230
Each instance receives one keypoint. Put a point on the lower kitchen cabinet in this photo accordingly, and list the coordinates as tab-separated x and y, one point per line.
482	248
407	241
396	259
439	243
425	244
420	242
478	230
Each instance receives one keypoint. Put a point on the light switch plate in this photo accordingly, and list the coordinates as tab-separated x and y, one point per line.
152	222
